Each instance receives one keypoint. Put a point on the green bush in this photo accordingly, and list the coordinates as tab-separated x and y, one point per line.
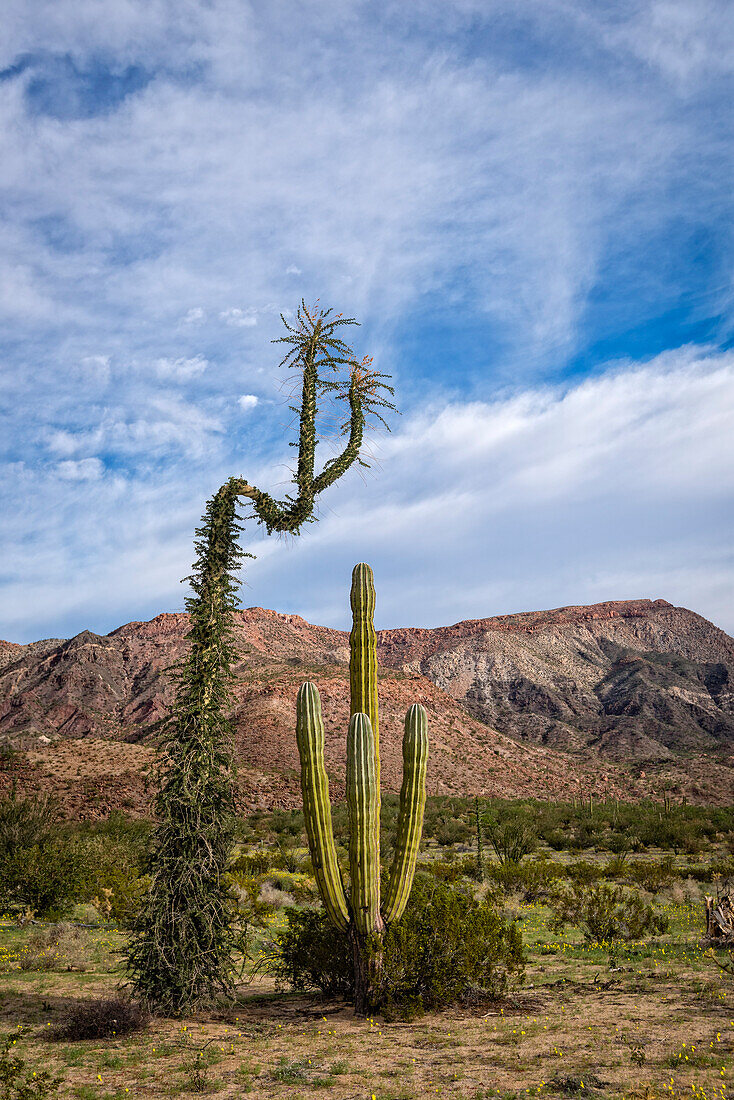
252	864
17	1080
311	954
25	822
652	875
512	838
46	866
445	870
583	872
532	879
447	946
37	871
44	878
604	913
452	830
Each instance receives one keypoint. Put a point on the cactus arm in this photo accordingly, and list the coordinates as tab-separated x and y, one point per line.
364	820
316	806
410	816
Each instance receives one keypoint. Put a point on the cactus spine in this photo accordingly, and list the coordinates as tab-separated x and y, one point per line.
363	916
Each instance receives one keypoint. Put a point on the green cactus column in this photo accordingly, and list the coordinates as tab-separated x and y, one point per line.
363	664
367	928
316	805
410	815
362	916
363	653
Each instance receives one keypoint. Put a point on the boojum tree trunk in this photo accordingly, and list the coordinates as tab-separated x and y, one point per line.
363	916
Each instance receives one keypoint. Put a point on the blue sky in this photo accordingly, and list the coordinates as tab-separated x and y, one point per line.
526	205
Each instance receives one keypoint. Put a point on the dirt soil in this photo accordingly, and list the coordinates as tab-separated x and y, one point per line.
662	1024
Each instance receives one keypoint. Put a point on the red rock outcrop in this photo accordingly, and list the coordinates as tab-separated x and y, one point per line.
615	698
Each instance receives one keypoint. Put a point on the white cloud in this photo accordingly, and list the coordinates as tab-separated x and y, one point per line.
181	369
239	318
98	367
247	401
618	487
404	170
84	469
509	174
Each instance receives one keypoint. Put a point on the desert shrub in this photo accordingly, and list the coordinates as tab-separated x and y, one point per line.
446	945
46	866
19	1081
103	1019
44	878
584	872
652	875
289	857
302	888
452	830
556	839
287	823
709	872
311	954
445	870
531	880
252	864
604	913
25	822
38	871
621	845
616	867
512	839
61	946
271	896
110	874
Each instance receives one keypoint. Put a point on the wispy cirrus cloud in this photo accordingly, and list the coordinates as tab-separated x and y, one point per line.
508	198
553	495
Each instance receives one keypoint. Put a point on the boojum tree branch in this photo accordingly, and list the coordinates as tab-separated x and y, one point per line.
316	349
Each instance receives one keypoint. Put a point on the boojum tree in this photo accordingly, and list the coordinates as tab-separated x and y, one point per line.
360	912
185	939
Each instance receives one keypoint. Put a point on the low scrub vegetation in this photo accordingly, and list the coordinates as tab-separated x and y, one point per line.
100	1019
447	946
558	965
604	913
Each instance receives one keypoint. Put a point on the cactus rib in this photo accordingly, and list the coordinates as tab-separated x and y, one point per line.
364	822
410	816
316	804
363	652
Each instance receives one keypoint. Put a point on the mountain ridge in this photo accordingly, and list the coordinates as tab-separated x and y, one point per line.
617	697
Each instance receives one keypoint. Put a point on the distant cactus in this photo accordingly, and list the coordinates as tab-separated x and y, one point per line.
361	914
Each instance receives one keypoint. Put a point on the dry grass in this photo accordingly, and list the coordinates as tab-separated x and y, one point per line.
62	946
575	1028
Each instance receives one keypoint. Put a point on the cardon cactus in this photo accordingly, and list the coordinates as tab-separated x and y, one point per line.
362	914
